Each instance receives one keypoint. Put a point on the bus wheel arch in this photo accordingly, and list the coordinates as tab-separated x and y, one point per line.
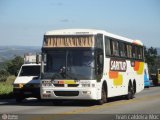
104	94
130	93
106	89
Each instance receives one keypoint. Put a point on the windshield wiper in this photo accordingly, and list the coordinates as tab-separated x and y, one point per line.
66	74
70	75
56	76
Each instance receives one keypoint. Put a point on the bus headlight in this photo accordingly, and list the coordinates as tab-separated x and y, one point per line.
86	85
87	92
46	83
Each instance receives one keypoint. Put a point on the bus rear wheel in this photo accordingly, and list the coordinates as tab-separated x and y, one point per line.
130	94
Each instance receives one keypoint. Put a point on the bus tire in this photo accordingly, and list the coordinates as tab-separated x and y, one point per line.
134	87
130	94
103	97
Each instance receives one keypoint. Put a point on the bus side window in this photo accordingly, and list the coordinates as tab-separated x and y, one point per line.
122	47
99	64
140	52
107	46
99	41
129	51
115	48
134	52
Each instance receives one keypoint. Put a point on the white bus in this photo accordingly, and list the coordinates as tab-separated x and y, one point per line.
86	64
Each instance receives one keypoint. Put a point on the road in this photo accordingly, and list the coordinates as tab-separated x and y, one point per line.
145	102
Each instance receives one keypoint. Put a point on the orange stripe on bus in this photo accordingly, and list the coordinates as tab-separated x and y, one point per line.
136	67
61	82
113	74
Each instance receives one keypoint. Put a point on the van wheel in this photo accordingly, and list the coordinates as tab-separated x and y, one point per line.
103	97
19	99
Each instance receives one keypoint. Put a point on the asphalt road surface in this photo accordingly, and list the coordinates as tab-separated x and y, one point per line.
145	105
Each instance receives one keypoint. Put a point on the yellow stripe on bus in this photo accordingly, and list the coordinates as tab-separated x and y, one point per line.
69	82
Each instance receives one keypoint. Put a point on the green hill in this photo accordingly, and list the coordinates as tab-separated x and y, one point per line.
8	52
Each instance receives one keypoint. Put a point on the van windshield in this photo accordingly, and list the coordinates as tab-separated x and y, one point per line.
30	71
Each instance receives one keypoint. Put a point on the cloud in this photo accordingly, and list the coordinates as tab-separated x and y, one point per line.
64	20
56	4
59	4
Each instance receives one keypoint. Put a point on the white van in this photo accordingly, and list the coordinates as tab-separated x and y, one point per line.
27	83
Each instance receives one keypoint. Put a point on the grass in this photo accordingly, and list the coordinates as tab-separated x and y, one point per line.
6	88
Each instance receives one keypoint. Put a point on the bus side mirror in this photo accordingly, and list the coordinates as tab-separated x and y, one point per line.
44	57
38	58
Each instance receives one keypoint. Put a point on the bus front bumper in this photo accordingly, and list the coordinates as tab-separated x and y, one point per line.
69	94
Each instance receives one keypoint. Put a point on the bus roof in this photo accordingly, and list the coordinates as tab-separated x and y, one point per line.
90	32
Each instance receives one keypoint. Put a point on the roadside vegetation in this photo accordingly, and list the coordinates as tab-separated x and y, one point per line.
6	88
7	76
152	59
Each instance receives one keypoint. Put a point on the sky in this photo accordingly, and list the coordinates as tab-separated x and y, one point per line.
24	22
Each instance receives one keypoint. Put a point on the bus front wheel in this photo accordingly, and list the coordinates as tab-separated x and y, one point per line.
103	97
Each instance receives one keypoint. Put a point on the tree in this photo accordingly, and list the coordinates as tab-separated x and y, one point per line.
158	62
14	65
151	58
3	75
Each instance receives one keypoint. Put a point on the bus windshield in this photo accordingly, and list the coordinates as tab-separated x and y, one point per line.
30	71
69	64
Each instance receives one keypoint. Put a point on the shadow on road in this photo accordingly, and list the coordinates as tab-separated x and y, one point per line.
36	102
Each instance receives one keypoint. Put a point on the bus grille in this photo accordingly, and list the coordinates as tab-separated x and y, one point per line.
73	85
66	93
69	85
59	85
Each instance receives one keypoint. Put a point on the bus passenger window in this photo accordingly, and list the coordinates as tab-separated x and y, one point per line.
115	48
134	49
122	49
129	51
107	46
140	52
